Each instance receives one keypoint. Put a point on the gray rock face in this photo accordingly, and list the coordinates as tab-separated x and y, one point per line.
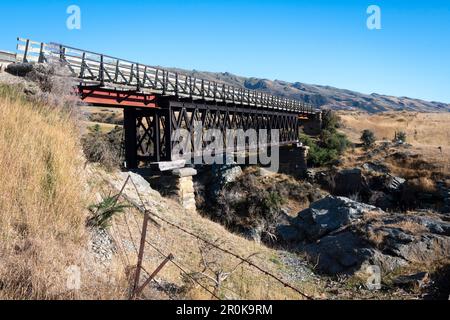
337	236
375	167
325	216
224	174
395	183
349	182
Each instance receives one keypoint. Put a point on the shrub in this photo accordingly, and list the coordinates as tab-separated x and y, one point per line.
244	205
368	138
104	148
330	145
104	211
400	136
330	120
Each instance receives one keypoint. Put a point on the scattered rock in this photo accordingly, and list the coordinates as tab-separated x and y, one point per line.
343	236
325	216
395	183
418	280
375	167
102	245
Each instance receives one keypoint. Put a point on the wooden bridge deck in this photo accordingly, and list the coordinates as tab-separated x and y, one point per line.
102	71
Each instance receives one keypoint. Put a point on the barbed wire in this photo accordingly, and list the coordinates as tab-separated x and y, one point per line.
177	265
260	269
190	233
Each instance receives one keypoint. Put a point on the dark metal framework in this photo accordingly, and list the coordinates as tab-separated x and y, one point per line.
153	130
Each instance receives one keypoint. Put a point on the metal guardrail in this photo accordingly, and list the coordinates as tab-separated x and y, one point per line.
106	71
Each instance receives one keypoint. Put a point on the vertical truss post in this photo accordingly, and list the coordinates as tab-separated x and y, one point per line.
130	138
157	136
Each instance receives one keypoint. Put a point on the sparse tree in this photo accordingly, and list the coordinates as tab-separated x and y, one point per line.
368	138
215	266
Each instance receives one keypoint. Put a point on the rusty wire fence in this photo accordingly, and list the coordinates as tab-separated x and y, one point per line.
215	275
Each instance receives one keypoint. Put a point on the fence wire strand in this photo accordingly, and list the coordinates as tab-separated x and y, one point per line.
190	233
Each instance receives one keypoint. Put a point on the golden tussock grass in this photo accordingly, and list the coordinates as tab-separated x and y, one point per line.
420	128
42	217
428	133
410	226
423	184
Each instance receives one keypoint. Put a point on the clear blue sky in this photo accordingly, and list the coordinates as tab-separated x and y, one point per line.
317	41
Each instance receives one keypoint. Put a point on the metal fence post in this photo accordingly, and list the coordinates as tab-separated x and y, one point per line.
137	275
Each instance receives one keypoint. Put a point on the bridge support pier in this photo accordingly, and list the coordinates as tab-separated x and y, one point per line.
184	188
313	124
177	184
294	160
129	124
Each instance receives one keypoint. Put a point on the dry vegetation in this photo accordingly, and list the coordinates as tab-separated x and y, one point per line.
42	221
43	203
239	281
43	224
428	133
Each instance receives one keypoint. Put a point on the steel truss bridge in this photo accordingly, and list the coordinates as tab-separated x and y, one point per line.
157	102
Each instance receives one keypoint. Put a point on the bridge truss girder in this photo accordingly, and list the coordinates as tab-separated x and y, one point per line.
149	131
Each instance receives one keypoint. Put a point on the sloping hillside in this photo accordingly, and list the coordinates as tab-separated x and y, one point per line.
325	96
41	202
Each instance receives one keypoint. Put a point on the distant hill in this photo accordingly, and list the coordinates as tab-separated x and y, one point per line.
325	96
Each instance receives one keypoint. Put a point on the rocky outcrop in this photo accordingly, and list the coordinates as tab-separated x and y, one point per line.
344	236
224	174
323	217
347	182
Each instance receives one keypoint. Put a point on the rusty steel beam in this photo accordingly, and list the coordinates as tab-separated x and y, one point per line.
102	97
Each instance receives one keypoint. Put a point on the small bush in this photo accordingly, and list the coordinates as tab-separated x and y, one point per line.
368	138
104	211
244	205
330	120
330	145
400	136
104	148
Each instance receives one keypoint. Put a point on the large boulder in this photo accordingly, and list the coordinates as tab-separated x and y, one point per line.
340	235
347	183
323	217
347	253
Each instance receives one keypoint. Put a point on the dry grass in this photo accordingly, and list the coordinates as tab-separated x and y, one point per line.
42	203
42	222
420	128
376	237
245	282
423	184
428	133
410	226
